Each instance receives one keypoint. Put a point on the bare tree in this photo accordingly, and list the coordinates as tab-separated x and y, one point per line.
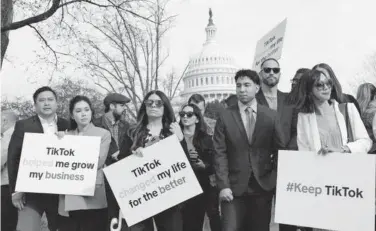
366	75
121	55
44	9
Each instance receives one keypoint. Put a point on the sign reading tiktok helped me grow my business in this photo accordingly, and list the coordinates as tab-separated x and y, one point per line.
161	178
58	166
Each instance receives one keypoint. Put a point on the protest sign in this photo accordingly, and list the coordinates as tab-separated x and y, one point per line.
335	191
58	166
161	178
270	46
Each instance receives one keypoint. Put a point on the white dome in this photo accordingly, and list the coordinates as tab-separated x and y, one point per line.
211	71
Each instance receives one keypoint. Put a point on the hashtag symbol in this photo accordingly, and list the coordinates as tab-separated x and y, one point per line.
290	187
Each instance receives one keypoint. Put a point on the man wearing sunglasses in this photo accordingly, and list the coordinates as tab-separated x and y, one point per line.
270	96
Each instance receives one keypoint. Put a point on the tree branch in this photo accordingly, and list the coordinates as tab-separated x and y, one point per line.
32	20
48	45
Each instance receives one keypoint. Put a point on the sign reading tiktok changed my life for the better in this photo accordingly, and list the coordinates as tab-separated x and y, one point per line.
161	178
58	166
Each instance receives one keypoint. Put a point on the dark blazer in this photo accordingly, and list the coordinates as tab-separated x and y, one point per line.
31	125
287	116
231	161
123	128
205	150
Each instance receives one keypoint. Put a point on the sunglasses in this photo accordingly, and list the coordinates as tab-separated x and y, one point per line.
157	103
322	85
189	114
275	70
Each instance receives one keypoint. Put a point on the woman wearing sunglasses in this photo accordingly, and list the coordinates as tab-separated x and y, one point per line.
200	148
155	121
328	71
322	125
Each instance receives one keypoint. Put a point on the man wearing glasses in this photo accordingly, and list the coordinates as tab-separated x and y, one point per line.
270	96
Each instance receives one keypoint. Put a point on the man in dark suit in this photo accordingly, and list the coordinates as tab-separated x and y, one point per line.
247	137
271	97
31	206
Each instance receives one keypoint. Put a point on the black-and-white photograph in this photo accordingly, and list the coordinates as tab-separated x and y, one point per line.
188	115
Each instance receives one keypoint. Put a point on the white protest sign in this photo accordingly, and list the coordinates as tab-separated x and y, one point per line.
270	46
145	186
336	191
58	166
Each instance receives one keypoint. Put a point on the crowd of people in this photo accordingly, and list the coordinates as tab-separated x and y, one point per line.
234	157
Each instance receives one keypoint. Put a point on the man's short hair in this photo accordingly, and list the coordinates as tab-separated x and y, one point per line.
196	98
269	59
252	75
43	89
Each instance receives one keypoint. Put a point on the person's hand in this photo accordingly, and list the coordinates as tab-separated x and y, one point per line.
115	155
325	150
345	149
198	164
175	129
60	134
18	200
193	154
138	152
226	195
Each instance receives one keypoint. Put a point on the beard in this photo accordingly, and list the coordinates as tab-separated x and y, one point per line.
116	116
270	81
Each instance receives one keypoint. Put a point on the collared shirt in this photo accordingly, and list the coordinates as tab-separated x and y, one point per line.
243	107
49	127
5	139
113	126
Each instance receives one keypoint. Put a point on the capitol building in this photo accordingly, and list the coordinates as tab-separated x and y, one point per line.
211	71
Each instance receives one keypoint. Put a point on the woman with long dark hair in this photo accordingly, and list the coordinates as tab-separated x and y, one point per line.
201	151
86	213
155	121
337	89
323	125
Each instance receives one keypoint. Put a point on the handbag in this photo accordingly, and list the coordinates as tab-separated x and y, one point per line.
344	110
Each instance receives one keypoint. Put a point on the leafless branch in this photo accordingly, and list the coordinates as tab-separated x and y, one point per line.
48	45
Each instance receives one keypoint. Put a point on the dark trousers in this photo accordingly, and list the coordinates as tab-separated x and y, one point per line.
29	218
8	211
247	213
193	213
212	208
168	220
84	220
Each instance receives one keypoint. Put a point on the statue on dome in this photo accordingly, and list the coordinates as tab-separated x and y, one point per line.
210	13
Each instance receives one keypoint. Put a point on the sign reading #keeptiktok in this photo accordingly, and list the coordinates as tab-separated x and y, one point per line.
161	178
335	191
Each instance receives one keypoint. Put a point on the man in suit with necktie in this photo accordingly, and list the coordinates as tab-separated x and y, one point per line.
31	206
247	138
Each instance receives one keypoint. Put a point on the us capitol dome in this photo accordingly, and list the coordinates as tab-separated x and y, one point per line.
210	72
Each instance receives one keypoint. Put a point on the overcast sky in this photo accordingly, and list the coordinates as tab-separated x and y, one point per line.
338	32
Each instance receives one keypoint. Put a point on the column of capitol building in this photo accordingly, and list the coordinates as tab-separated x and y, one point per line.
211	71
